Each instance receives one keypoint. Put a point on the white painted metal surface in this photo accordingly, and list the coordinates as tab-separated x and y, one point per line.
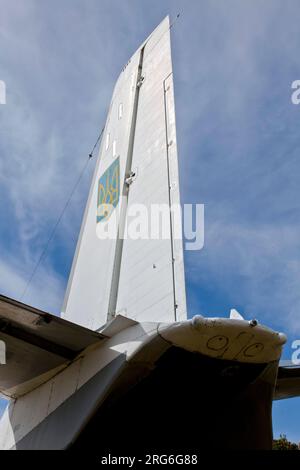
225	338
23	414
143	279
152	283
214	337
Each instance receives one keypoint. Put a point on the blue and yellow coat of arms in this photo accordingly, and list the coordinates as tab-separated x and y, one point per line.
108	191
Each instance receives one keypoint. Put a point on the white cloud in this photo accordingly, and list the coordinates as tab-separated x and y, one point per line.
255	266
45	291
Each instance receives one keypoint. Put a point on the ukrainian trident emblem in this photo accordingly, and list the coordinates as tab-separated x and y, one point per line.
108	191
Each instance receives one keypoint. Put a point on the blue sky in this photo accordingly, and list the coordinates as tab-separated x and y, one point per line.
238	138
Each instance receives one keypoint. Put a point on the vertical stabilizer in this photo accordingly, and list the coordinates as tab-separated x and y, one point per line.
113	272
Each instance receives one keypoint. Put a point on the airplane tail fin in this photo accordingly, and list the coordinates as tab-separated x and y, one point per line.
129	257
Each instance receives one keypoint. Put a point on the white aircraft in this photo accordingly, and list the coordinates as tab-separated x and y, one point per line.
124	356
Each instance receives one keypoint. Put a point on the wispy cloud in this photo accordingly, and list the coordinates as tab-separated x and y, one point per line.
253	267
45	291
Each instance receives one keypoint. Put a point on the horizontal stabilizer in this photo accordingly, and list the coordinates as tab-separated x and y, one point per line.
35	343
288	381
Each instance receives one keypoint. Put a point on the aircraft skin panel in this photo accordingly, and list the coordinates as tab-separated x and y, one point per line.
23	415
133	352
151	282
61	426
140	132
87	296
